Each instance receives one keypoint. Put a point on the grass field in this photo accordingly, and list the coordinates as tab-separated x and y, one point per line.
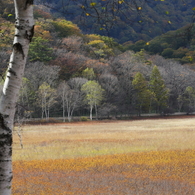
152	157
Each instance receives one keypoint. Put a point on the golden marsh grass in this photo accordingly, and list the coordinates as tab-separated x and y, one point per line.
145	157
71	140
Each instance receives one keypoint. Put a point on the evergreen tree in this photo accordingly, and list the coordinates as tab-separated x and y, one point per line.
158	88
143	94
190	98
39	50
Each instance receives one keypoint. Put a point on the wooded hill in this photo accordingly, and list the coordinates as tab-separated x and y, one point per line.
178	45
70	73
153	19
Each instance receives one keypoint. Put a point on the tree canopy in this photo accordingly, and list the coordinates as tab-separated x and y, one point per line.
126	20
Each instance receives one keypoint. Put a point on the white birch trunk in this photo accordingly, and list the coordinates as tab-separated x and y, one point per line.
24	28
91	112
96	112
69	112
63	106
42	108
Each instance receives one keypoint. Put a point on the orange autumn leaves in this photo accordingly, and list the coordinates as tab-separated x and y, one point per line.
56	176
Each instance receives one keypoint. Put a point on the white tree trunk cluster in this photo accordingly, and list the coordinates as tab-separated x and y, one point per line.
24	30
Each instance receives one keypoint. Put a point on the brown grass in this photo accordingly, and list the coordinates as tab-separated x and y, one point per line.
71	140
120	157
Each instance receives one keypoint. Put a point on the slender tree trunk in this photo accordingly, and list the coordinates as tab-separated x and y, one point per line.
91	111
24	28
45	111
45	106
72	111
48	109
42	109
63	106
68	111
96	113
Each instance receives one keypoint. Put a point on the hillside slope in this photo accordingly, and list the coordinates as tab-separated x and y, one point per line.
154	18
178	44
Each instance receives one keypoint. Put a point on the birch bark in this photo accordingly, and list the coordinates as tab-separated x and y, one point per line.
24	30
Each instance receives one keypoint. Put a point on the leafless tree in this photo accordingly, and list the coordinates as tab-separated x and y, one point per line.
71	95
38	72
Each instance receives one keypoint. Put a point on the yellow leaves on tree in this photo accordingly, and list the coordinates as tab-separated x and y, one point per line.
66	28
40	32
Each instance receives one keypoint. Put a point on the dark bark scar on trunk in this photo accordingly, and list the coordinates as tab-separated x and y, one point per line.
32	32
29	34
3	123
28	2
12	71
18	48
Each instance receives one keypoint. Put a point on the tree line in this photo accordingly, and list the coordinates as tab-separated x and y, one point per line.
129	83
